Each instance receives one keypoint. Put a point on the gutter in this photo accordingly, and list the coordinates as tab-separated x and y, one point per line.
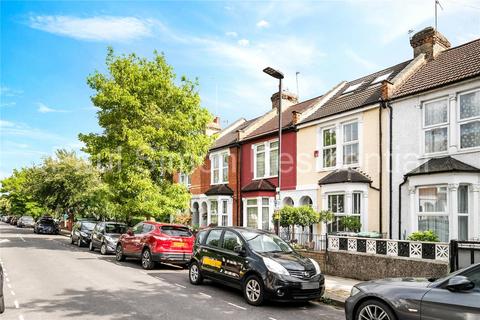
380	151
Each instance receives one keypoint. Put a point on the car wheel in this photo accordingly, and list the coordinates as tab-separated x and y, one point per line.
103	249
90	246
79	241
194	274
147	262
71	240
119	253
373	309
253	290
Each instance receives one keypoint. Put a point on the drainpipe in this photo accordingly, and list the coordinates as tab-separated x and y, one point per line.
239	186
380	151
386	104
400	206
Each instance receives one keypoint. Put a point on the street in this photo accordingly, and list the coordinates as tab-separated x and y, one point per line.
48	278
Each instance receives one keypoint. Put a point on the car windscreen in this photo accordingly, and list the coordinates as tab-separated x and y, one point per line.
175	231
88	226
27	218
115	228
47	221
265	242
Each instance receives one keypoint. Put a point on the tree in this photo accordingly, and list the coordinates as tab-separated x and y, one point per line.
304	216
152	127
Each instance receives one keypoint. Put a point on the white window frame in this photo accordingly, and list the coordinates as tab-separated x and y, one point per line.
259	207
442	125
266	150
357	142
446	213
461	122
185	179
220	200
221	178
464	214
223	212
332	146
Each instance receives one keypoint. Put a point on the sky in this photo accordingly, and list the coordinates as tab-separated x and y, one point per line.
49	48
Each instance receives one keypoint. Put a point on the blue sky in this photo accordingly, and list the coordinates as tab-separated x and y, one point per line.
49	48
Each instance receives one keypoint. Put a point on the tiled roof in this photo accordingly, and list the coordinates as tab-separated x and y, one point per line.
449	66
272	124
259	185
344	175
367	93
219	190
230	137
444	164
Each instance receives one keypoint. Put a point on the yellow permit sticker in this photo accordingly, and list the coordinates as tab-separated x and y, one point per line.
212	262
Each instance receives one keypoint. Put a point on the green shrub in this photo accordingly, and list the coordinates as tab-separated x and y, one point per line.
351	223
428	235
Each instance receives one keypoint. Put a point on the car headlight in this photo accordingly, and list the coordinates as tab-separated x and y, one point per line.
275	267
83	234
108	239
317	266
354	291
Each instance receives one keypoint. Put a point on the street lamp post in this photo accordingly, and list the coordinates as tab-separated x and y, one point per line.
278	75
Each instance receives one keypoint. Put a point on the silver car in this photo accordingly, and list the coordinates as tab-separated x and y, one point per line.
456	296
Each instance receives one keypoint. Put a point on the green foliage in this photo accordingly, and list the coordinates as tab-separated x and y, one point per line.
351	223
428	235
302	216
153	126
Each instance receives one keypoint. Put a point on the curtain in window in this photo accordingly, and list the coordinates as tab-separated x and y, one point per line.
225	167
214	212
463	212
265	214
470	105
436	112
273	158
260	161
252	213
436	140
470	134
437	224
432	199
224	213
216	169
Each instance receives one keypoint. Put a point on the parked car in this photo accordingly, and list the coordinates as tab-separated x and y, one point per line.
259	263
105	236
82	232
6	219
47	225
13	221
2	301
26	222
456	296
153	242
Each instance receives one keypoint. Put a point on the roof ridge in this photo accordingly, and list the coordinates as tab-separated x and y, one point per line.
460	45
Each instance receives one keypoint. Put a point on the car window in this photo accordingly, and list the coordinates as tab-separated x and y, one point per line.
213	238
176	231
147	228
474	276
88	226
231	240
200	237
265	242
115	228
138	228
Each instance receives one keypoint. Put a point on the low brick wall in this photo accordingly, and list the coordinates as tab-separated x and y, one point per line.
364	266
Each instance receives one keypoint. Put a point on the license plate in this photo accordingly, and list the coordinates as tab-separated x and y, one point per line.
178	244
310	285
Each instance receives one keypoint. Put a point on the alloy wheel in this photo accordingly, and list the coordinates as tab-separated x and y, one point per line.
119	253
253	290
194	273
103	249
373	312
146	259
79	243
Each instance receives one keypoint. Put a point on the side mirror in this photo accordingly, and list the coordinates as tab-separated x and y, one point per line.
240	250
130	232
460	283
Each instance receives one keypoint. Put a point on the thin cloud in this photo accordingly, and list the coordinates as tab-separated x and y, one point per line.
17	129
243	42
7	104
42	108
9	92
263	24
232	34
99	28
358	59
5	124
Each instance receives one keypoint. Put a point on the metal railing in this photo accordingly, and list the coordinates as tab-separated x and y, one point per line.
306	240
463	254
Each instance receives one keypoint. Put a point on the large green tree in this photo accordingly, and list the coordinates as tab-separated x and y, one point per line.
153	126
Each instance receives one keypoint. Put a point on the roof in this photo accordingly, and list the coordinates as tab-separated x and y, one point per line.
259	185
344	175
219	190
272	124
367	93
452	65
444	164
230	137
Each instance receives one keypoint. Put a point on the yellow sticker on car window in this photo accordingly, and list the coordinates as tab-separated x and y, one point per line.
212	262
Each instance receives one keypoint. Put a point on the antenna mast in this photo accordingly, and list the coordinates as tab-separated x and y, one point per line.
296	78
437	3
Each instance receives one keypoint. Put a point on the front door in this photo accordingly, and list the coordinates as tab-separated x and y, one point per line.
211	261
440	303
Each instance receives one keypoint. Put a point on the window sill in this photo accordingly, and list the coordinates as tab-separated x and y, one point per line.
266	177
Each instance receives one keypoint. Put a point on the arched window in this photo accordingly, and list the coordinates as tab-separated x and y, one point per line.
306	201
288	202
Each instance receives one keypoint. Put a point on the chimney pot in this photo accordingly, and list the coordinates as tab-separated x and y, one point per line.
288	99
430	42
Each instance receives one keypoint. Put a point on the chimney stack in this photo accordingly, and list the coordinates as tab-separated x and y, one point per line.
213	127
288	99
430	42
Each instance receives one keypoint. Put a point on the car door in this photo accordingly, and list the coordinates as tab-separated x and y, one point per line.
144	238
211	261
98	232
130	240
440	303
76	231
233	263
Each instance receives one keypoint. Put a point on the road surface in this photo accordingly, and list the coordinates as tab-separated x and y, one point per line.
48	278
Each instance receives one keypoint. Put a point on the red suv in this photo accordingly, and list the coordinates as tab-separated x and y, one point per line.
153	242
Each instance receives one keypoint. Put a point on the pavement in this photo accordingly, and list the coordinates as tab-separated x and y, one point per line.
48	278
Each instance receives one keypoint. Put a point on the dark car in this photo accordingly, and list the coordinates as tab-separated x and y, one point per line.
2	301
105	236
13	221
26	222
82	232
153	242
46	225
456	296
257	262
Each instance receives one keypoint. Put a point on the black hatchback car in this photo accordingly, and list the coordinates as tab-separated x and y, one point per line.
81	232
259	263
105	236
46	225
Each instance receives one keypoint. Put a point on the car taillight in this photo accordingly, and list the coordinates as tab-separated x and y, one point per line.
161	238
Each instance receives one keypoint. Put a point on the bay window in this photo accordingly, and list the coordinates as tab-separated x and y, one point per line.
219	170
266	159
252	213
435	124
463	212
343	205
432	211
329	148
214	212
224	212
265	213
469	119
350	143
258	213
